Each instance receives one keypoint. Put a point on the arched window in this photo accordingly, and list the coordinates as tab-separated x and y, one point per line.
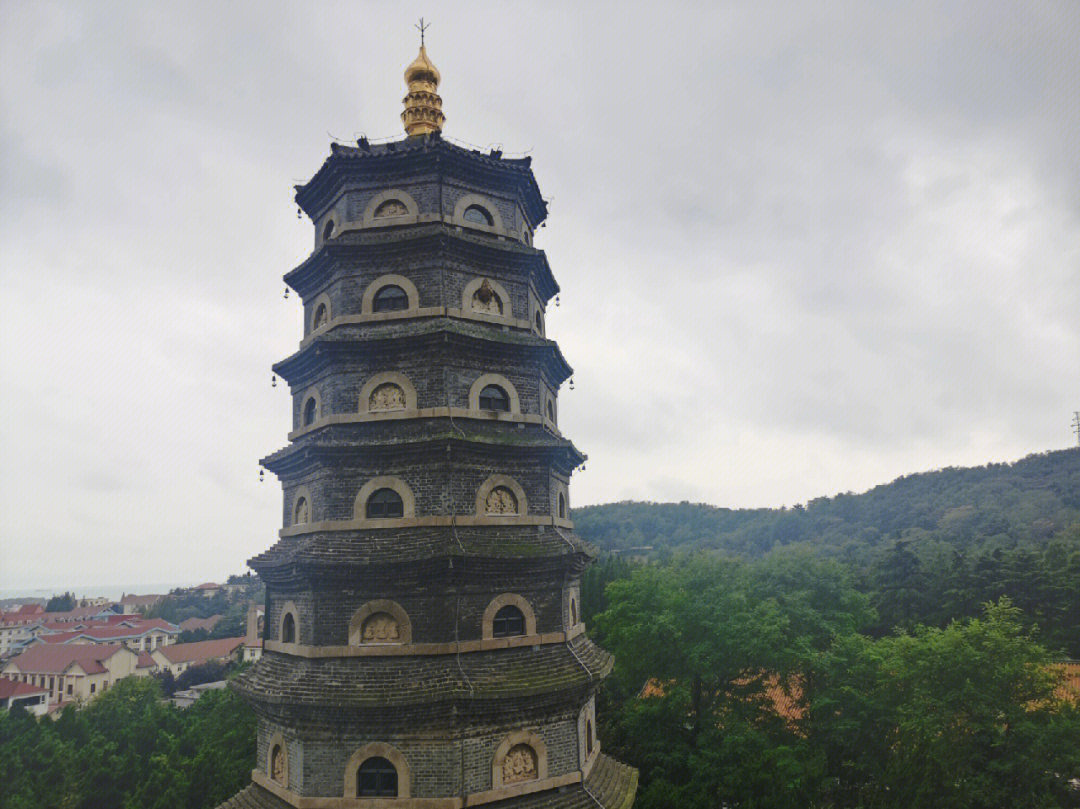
501	500
301	513
492	397
383	504
478	215
391	298
328	230
277	764
322	316
487	300
509	621
386	396
539	323
376	778
392	207
288	628
562	506
573	612
588	737
311	411
551	412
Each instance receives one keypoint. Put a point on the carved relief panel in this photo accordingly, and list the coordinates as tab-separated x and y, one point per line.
381	627
519	765
486	300
501	501
387	396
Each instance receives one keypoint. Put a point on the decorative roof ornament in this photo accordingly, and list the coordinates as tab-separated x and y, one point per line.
423	106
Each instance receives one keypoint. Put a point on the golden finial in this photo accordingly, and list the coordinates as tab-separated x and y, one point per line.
423	107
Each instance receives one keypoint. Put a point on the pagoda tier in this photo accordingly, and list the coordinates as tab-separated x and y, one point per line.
423	642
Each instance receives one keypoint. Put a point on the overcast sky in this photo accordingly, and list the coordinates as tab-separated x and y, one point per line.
804	248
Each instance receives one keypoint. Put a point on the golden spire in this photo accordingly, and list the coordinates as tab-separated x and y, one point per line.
423	107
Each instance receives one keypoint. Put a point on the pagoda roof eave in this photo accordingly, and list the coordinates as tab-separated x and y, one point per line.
314	352
408	237
408	156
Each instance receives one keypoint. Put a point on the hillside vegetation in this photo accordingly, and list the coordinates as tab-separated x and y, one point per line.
927	548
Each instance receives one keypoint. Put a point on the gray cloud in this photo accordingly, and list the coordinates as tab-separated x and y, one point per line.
802	250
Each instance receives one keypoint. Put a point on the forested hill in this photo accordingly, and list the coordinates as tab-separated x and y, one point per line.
1027	503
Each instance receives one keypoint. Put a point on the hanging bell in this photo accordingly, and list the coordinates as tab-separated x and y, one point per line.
286	292
273	380
261	473
571	383
557	300
299	213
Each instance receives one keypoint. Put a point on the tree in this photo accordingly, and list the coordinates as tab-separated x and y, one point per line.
61	603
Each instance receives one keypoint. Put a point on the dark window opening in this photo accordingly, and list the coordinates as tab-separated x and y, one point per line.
551	412
588	737
376	778
478	215
562	506
390	298
311	410
321	316
328	230
573	612
539	323
493	397
383	504
288	629
508	621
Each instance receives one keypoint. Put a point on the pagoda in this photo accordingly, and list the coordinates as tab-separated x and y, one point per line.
423	642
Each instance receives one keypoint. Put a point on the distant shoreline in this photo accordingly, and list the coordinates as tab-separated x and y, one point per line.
110	591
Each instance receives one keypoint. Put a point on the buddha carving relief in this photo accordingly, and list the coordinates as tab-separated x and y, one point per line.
392	207
277	764
486	300
381	627
501	500
519	765
302	513
387	396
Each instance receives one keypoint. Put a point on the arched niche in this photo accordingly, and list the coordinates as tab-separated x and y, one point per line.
373	609
408	501
387	378
289	610
311	395
295	515
500	601
367	302
493	379
277	767
322	300
504	482
511	764
378	750
473	288
410	214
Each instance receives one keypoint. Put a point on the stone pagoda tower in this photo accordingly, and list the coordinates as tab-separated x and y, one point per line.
423	643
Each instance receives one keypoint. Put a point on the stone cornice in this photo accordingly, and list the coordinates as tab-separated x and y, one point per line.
422	649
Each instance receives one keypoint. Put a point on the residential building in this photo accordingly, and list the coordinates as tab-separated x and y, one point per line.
31	697
72	671
196	624
179	657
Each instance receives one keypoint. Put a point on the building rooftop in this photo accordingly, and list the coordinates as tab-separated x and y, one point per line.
200	650
50	658
10	688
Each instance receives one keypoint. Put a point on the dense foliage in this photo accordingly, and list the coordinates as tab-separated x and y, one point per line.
128	750
926	548
760	691
181	604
